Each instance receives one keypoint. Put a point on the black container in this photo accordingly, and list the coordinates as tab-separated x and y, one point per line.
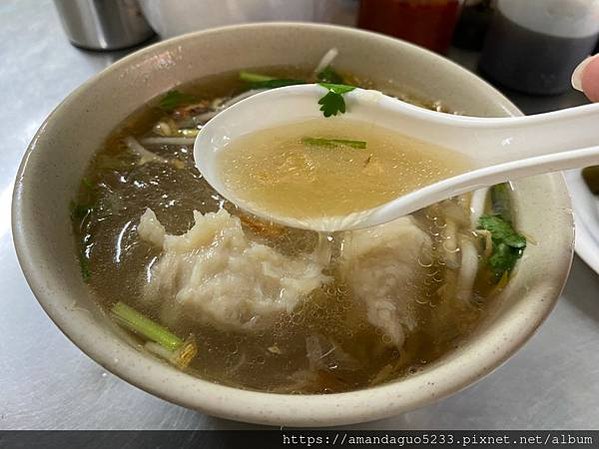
473	24
530	61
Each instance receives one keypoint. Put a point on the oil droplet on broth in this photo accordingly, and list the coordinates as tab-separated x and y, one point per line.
275	171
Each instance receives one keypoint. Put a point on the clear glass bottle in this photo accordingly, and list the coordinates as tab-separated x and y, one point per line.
534	45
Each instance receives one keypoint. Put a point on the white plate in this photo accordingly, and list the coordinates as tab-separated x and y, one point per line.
586	218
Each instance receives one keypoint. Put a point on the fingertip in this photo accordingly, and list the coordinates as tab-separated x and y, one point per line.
589	78
577	74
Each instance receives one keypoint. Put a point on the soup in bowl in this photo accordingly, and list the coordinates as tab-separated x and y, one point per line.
165	283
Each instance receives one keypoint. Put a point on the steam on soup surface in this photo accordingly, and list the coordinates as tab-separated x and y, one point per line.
243	302
329	167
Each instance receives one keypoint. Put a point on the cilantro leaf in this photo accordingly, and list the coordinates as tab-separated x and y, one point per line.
503	259
329	75
333	103
338	88
332	143
174	98
502	230
508	245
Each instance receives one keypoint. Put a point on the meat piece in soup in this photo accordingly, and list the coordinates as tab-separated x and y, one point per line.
214	274
382	267
240	301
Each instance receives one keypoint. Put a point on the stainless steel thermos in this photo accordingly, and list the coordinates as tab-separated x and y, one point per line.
103	24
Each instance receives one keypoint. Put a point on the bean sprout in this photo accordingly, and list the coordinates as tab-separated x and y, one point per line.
468	268
477	206
326	60
168	141
145	156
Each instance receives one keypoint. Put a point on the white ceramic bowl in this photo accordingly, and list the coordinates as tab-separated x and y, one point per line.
53	165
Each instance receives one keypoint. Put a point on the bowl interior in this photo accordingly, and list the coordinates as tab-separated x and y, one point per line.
58	155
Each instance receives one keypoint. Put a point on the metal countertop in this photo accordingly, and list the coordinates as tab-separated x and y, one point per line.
47	383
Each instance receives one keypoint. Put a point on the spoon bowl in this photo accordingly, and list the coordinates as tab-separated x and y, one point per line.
500	149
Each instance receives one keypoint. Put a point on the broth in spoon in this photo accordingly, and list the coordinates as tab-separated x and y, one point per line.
331	167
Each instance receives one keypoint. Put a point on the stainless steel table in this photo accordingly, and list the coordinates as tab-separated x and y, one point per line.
47	383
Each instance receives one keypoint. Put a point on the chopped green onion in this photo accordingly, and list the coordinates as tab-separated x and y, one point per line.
257	81
181	357
273	84
314	141
250	77
138	323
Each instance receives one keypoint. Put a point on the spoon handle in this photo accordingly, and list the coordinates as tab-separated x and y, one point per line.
554	133
476	179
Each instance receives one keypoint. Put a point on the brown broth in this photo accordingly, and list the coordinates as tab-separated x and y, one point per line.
116	191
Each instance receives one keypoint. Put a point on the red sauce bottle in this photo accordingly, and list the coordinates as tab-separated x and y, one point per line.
428	23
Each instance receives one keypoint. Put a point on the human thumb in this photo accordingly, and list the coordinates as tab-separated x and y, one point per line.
586	77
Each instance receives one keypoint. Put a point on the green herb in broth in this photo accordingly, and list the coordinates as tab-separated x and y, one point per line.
326	344
174	98
332	143
508	245
257	81
500	201
251	77
272	84
329	75
161	342
333	102
135	321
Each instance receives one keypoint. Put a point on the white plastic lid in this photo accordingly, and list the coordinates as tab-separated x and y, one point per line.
561	18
